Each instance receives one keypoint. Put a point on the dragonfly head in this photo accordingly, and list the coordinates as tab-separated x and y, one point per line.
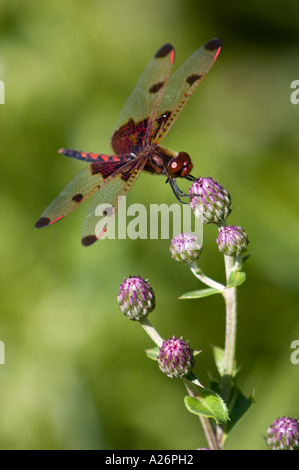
180	166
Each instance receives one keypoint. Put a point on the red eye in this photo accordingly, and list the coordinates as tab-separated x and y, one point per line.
180	166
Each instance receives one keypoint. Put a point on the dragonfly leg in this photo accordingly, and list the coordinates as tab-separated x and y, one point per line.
176	190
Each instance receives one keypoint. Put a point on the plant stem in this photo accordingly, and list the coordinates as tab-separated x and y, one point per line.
207	427
151	331
209	433
230	297
205	422
203	278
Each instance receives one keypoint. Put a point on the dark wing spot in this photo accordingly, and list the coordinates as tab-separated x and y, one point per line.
164	50
125	175
162	120
89	240
77	197
42	222
129	137
156	87
213	44
95	168
193	78
104	170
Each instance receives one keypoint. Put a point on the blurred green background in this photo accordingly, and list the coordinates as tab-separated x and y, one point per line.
76	376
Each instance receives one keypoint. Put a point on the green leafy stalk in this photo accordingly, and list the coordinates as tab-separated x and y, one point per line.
203	278
229	361
151	331
205	404
230	297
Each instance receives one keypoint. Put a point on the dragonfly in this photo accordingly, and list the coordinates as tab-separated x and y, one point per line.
146	118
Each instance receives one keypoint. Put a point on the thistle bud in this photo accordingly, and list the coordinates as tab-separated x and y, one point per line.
136	298
185	248
210	202
283	434
176	358
232	240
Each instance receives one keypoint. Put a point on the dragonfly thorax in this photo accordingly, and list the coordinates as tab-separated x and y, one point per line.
164	161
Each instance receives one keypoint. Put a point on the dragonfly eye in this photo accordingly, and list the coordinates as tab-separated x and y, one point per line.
180	166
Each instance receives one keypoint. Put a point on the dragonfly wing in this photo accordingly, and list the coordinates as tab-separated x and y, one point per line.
105	205
140	108
84	185
184	82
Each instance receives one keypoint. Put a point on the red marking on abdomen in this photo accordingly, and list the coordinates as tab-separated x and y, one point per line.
83	154
93	155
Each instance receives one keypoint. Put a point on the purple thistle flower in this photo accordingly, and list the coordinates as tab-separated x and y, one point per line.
185	248
232	240
136	298
176	358
283	434
210	202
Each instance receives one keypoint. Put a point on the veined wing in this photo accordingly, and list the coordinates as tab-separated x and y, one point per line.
184	82
84	185
141	106
105	205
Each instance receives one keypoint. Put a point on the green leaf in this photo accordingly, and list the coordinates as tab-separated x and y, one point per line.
219	361
152	353
246	257
239	405
197	294
192	383
236	278
191	376
209	405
